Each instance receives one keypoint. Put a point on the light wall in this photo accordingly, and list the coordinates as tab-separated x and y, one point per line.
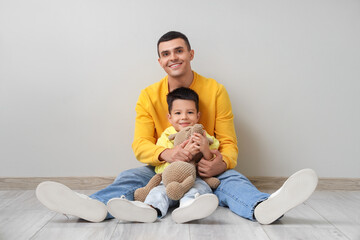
71	72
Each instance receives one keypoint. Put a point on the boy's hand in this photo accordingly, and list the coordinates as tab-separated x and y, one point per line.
212	168
201	140
178	153
192	146
203	143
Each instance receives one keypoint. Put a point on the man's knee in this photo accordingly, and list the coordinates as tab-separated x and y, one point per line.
229	174
232	176
144	173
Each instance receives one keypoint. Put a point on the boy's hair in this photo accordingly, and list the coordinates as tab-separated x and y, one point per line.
184	94
173	35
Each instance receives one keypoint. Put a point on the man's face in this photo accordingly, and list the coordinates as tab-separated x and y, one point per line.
183	114
175	57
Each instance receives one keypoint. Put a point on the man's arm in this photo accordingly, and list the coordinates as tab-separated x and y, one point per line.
144	137
225	129
226	157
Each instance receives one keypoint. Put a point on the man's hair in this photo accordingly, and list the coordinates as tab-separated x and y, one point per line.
173	35
184	94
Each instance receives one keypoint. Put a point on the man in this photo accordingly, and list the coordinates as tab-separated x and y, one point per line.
235	190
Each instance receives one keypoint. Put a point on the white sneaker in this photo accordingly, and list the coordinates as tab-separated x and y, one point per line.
198	208
59	198
133	211
296	190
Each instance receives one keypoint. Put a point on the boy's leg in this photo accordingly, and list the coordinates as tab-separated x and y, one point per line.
132	211
243	198
59	198
159	200
199	202
137	211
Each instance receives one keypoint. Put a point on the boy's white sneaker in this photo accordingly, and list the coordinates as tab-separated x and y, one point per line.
296	190
198	208
59	198
132	211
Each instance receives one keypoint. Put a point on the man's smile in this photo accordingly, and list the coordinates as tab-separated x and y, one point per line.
175	65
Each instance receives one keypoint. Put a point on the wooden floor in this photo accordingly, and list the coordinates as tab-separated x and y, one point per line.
326	215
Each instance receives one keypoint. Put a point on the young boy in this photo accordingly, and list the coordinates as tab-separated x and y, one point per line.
199	202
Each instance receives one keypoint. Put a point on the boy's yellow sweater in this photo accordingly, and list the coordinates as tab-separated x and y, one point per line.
165	142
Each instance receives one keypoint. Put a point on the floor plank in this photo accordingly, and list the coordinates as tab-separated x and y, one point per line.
164	228
61	227
224	224
326	215
7	197
70	227
341	209
303	222
21	215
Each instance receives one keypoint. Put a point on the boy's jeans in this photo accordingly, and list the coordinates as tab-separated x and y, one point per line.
157	196
235	190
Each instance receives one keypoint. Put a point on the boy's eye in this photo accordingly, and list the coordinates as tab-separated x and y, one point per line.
177	113
190	112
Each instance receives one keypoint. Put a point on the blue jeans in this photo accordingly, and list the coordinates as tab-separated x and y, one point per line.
239	194
235	191
158	199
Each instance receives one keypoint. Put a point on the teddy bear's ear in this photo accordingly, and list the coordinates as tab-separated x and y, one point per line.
197	128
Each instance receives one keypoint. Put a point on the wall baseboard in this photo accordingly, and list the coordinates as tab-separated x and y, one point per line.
78	183
96	183
346	184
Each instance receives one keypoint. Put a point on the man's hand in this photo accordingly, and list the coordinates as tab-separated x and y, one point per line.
178	153
212	168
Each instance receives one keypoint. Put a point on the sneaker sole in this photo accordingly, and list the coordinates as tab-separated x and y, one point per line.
59	198
296	190
126	210
202	207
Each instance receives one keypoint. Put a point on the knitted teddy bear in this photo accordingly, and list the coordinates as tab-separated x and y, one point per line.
178	177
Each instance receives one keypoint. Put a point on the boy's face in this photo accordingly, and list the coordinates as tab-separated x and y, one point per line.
175	57
183	114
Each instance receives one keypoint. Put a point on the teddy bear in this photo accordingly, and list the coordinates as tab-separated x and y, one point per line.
178	177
